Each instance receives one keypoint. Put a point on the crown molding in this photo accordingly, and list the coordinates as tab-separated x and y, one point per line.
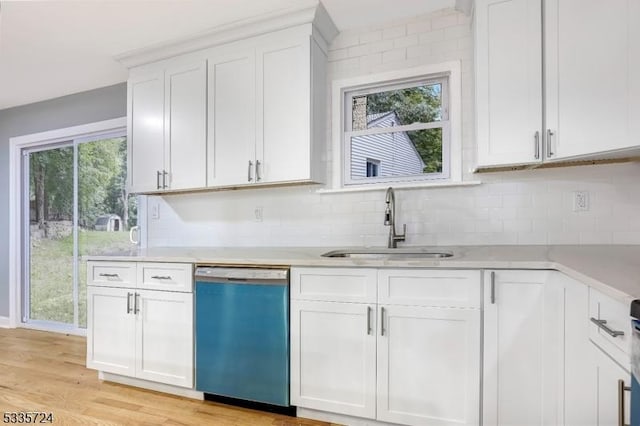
238	30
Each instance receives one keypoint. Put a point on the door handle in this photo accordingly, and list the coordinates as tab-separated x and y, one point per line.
109	275
536	148
136	307
493	287
158	179
249	177
129	302
621	390
164	179
258	177
382	320
369	320
549	151
161	277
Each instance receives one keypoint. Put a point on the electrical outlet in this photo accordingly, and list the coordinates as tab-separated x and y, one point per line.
580	201
257	212
155	211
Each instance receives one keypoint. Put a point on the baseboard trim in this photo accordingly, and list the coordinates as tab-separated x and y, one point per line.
5	322
339	418
145	384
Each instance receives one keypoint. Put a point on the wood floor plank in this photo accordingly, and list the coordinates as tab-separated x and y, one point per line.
46	372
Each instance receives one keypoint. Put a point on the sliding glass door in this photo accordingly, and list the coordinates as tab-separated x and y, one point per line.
75	203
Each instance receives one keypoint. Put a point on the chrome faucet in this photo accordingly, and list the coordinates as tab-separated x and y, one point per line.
390	220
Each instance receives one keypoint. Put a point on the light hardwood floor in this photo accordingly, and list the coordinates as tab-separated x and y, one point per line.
46	372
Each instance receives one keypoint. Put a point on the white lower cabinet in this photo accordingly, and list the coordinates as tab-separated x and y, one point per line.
609	375
522	371
428	365
145	334
414	365
333	357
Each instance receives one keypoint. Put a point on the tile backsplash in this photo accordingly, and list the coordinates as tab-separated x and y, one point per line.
520	207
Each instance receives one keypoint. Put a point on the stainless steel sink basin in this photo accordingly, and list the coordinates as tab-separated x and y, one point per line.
386	253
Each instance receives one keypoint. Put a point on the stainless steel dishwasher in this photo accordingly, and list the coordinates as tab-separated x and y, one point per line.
242	336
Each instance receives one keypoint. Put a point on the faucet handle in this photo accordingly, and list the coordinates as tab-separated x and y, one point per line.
401	237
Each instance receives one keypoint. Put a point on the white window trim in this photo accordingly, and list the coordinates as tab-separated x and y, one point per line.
338	118
16	146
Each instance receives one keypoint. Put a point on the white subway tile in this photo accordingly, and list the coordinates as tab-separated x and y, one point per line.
394	32
396	55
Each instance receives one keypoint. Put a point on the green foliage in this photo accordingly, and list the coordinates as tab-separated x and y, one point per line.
102	173
420	104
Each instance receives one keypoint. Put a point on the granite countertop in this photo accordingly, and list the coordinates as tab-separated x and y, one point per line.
612	269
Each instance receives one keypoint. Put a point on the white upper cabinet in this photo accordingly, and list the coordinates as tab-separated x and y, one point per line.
591	93
167	126
245	106
145	126
260	110
509	81
590	60
231	116
185	125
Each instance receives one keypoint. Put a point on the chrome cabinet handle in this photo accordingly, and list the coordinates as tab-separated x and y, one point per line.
258	177
549	134
602	324
129	302
493	287
621	389
249	177
161	277
382	320
536	149
109	275
164	179
158	179
136	307
369	320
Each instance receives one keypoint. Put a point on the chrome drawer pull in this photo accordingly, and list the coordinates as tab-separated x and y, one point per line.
129	302
109	275
603	325
368	319
161	277
136	307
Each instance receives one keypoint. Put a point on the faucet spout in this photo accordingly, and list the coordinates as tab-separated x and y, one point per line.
389	220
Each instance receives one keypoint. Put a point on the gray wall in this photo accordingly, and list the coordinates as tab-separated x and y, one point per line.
81	108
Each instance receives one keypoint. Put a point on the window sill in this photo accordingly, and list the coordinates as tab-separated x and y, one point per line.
411	185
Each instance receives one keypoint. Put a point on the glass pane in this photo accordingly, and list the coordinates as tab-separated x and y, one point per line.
51	235
419	104
106	211
396	154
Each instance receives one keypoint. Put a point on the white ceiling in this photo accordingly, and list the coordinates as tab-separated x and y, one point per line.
55	48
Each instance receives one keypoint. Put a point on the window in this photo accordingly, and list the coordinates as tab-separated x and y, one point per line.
397	127
373	168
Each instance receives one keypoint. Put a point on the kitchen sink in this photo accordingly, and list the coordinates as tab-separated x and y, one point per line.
387	253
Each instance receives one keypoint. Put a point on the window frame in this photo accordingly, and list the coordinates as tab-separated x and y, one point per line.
344	91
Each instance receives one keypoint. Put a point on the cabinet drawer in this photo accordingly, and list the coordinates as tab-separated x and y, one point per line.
111	274
166	276
334	284
616	315
438	288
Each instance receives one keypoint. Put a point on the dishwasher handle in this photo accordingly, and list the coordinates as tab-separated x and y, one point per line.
242	275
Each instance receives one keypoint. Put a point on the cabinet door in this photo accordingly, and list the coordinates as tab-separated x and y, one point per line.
231	140
110	330
428	365
185	131
145	116
591	59
608	373
508	81
333	357
522	366
283	110
164	337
